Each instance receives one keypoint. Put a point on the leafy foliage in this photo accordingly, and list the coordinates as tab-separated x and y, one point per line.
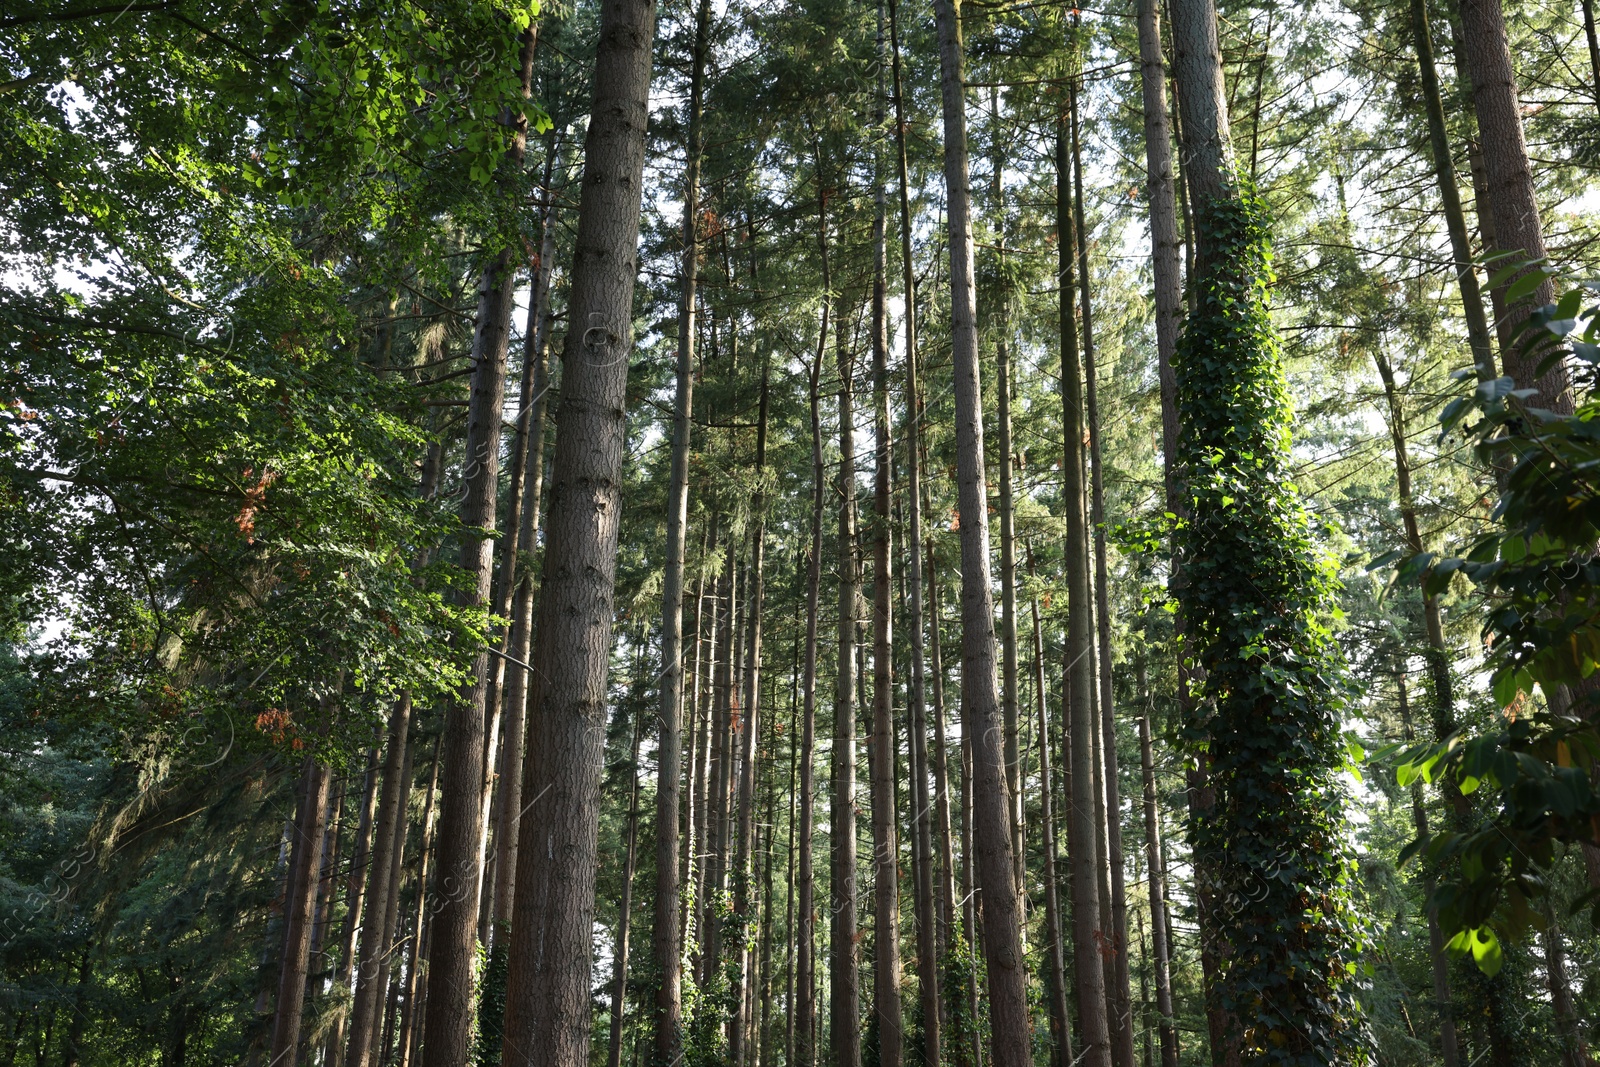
1267	726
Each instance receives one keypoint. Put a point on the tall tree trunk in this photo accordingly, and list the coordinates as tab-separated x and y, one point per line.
548	987
1593	41
996	873
410	1020
619	965
1166	187
1060	1020
322	911
789	881
1156	865
962	1051
806	936
881	747
844	1009
355	893
310	821
1574	1050
1009	682
1450	196
921	805
1251	594
666	936
453	993
508	797
1163	227
1082	837
504	719
943	830
721	773
1001	326
749	727
1119	1002
376	934
706	638
1449	1047
1438	659
1486	58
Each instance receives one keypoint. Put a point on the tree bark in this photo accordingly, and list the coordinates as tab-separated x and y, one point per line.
996	873
749	727
1119	1000
922	831
1060	1020
844	1009
355	893
806	937
415	981
1486	57
453	993
881	748
1156	865
1449	1047
376	934
1164	242
1574	1050
508	798
503	718
1006	513
666	936
548	987
619	979
1450	196
310	821
720	774
1082	837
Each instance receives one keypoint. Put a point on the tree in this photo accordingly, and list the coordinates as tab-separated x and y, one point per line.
996	871
1251	595
547	993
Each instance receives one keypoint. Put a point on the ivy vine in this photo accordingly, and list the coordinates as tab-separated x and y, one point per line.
1269	689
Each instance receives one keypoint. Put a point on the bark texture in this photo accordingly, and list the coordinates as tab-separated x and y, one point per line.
548	987
981	715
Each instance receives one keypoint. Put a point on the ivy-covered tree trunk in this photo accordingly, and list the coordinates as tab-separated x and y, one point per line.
548	988
1010	1029
1254	595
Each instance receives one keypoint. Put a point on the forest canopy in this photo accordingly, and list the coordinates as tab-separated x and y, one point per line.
802	533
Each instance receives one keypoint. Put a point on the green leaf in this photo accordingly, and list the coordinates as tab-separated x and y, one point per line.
1486	951
1526	284
1386	559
